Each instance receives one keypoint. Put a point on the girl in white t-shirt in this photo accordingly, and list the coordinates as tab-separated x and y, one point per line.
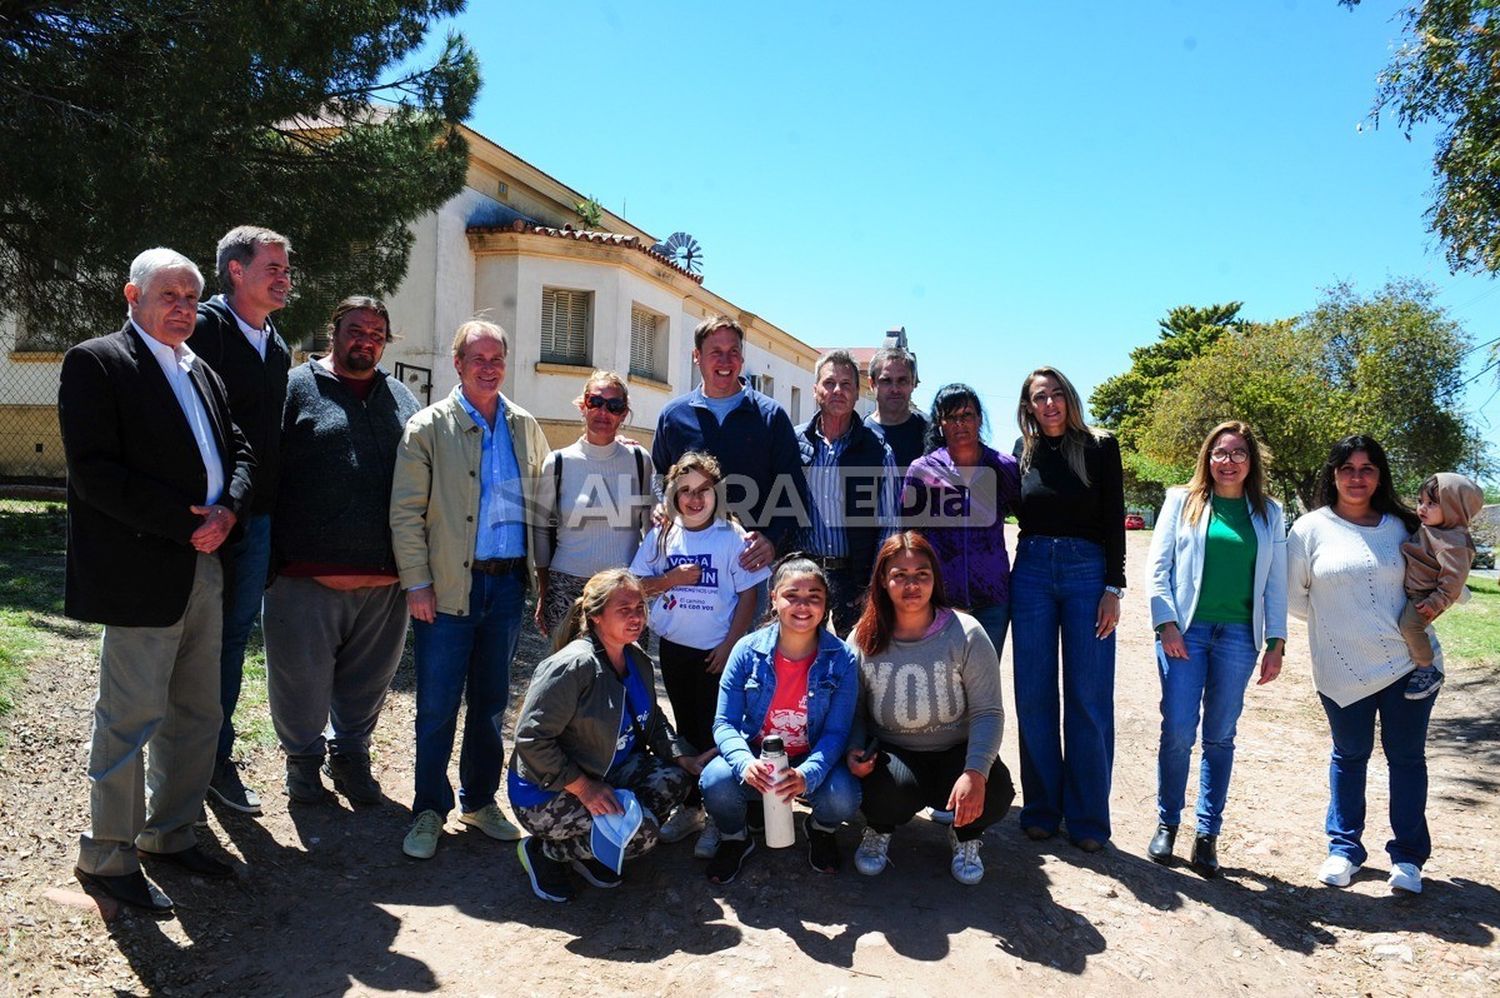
702	602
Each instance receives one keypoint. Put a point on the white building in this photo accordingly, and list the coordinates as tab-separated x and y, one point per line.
511	247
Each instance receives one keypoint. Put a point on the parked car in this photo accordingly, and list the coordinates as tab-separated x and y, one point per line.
1484	556
1135	521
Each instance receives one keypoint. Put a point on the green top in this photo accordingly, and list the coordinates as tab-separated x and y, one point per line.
1228	565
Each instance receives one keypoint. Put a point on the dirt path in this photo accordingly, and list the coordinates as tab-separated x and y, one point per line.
326	904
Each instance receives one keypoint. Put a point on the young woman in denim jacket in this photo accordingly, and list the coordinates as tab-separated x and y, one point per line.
796	679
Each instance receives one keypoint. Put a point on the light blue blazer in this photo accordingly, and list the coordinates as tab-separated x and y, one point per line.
1177	568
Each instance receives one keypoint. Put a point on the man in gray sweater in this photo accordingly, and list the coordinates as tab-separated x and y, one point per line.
335	618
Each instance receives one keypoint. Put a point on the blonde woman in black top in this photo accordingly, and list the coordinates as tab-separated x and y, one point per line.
1066	587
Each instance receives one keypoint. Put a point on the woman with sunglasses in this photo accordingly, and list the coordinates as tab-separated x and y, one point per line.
1218	595
594	501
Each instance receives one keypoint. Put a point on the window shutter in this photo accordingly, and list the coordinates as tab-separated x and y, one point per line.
565	326
643	343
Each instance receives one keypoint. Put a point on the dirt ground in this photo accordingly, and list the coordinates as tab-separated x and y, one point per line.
325	903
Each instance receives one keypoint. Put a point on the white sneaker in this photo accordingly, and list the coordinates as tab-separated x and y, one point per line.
967	867
1406	877
708	840
870	858
939	817
1337	871
682	822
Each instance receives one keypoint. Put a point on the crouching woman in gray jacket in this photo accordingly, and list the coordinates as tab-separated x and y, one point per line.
590	725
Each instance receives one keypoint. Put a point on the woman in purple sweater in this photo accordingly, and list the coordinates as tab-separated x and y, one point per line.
957	495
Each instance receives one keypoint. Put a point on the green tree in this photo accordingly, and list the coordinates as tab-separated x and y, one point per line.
1447	73
1387	365
1123	404
133	123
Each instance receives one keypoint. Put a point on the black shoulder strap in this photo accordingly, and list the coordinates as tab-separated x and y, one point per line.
556	500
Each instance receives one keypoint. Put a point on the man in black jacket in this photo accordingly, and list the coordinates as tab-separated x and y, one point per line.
158	476
236	337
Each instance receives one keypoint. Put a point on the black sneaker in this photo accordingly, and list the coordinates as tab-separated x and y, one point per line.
350	773
822	848
549	878
596	872
229	791
725	865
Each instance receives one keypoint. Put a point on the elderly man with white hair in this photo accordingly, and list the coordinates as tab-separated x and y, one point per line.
158	478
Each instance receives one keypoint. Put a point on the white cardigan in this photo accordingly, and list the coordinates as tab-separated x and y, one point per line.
1346	582
1176	562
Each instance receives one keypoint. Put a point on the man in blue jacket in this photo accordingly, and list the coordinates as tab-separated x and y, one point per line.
748	433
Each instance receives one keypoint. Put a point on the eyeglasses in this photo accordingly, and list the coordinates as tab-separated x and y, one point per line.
612	406
1042	398
1237	456
1357	471
968	416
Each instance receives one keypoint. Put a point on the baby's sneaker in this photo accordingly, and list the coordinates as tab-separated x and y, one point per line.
1424	683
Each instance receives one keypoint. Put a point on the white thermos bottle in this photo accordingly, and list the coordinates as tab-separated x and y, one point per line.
780	831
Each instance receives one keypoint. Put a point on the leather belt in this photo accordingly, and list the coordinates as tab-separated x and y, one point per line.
830	564
499	566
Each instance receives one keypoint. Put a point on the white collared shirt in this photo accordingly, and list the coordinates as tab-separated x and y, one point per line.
257	337
176	365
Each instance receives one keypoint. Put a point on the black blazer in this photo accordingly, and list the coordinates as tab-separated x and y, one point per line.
133	470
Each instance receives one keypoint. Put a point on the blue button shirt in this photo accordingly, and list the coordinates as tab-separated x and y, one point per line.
501	532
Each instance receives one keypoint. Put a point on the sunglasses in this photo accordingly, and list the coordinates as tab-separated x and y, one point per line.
613	406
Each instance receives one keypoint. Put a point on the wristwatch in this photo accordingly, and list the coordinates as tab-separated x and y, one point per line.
1115	591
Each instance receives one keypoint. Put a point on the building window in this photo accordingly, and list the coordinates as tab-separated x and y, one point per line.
566	319
764	383
648	351
796	405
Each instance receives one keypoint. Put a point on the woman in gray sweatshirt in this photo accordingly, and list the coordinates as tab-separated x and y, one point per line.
930	707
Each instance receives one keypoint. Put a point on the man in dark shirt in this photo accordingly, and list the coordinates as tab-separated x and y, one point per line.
236	337
335	618
893	372
748	433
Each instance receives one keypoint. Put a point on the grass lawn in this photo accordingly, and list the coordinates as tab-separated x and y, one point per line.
31	585
1470	632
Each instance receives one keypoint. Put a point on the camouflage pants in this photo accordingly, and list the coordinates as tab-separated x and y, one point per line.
564	824
562	590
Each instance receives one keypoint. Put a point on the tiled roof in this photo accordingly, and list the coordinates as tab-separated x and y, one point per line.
589	236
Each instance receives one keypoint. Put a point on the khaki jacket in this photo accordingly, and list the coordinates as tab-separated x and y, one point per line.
435	495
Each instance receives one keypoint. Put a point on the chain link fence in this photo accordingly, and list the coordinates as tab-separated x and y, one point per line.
30	445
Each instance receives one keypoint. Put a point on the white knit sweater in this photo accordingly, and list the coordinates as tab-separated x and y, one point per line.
1346	582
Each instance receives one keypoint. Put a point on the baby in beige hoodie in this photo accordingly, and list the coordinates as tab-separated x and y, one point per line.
1438	558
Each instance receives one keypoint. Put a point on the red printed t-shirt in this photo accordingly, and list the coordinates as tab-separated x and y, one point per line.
788	714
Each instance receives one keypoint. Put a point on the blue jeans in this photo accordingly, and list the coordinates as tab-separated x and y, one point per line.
466	657
995	619
1213	677
248	563
1067	756
1403	737
725	797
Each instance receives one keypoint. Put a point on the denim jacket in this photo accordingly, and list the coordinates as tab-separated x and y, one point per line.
749	683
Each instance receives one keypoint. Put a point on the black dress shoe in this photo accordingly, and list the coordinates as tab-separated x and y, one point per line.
1162	842
193	860
128	888
1206	855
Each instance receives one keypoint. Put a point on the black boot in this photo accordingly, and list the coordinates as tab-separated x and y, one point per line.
1160	848
1206	855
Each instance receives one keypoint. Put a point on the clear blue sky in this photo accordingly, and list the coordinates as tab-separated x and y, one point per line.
1016	183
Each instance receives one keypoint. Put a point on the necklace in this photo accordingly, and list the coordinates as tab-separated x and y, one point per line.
1054	447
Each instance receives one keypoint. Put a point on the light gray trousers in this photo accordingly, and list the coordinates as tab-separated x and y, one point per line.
330	657
156	723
